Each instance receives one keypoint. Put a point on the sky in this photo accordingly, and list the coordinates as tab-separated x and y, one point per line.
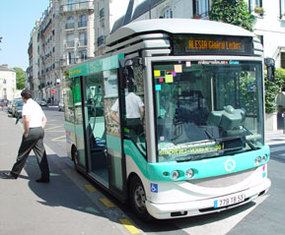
17	19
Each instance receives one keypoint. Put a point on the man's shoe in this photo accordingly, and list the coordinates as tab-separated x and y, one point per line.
9	175
42	180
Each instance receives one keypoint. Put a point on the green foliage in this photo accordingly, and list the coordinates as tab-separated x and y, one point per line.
20	78
248	100
279	77
272	88
232	11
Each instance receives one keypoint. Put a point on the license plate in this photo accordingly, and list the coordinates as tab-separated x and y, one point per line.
230	200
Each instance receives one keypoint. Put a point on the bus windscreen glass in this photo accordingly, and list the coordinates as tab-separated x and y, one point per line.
207	108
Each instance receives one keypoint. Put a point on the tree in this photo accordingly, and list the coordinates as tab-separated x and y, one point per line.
232	11
20	78
272	88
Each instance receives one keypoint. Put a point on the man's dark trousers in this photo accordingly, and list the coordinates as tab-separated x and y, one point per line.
34	142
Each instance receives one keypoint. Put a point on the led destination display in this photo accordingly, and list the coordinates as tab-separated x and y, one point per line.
212	45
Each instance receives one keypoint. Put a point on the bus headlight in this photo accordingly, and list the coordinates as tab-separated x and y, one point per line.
189	173
175	174
265	158
258	160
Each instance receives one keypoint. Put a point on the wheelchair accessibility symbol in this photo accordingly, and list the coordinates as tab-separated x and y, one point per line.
153	188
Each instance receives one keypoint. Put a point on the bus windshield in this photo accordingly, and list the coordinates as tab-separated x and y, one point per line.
207	108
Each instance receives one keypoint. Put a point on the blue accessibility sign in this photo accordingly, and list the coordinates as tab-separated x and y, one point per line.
153	188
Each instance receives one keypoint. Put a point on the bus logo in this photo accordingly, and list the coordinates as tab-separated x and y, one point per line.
153	188
230	165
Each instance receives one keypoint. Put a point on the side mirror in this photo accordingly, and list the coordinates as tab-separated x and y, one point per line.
270	67
126	70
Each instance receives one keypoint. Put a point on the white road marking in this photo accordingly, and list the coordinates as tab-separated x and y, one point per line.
60	138
52	128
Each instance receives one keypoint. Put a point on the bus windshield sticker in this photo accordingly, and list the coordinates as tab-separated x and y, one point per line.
169	78
154	188
178	68
158	87
188	63
157	73
161	80
178	151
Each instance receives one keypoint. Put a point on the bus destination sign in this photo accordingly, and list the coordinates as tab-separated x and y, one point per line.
211	45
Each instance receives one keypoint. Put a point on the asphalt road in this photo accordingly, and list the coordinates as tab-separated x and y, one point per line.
264	216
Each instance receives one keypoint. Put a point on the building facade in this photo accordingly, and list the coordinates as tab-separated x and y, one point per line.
64	36
7	82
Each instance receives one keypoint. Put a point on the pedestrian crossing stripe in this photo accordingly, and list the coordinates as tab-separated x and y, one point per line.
129	226
107	203
90	188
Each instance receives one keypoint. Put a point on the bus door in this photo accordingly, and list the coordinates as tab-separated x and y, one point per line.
80	160
95	128
113	132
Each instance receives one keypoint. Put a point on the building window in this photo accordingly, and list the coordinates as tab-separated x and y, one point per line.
168	13
70	40
69	23
71	58
282	9
83	39
70	5
4	93
82	21
4	81
83	55
201	8
282	60
254	4
101	13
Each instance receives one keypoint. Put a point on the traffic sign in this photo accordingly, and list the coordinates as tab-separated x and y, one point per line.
53	92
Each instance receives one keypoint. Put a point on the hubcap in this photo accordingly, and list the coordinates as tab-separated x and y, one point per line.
139	197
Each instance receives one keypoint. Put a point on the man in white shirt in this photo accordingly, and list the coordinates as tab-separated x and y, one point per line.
34	122
134	112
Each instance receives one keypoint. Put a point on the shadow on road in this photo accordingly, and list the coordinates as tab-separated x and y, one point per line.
60	191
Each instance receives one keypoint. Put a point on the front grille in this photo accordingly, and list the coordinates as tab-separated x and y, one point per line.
223	180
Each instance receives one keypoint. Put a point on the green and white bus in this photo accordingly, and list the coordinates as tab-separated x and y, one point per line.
200	144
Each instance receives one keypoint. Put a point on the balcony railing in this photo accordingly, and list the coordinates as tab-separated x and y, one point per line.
69	25
70	44
79	6
82	24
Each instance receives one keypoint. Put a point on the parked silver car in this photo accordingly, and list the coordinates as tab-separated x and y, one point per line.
17	109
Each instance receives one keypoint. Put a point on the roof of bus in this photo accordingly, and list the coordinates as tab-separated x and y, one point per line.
177	26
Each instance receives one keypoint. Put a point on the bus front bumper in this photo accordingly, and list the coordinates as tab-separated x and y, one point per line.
206	206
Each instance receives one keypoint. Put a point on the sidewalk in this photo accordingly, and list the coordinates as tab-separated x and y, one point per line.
275	138
64	206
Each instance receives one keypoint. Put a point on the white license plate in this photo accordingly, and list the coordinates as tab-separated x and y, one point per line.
230	200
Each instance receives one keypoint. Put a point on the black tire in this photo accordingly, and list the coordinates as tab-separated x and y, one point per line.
137	199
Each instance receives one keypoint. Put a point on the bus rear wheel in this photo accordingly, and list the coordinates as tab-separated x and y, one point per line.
137	198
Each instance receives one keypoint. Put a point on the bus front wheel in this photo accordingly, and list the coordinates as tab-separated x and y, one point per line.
137	198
